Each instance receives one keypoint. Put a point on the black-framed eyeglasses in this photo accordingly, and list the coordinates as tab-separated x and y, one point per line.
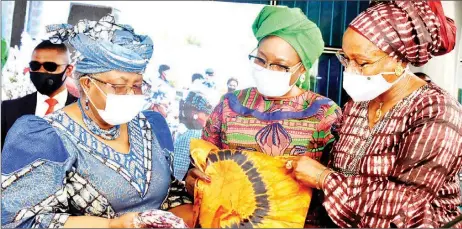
123	89
345	61
272	66
48	66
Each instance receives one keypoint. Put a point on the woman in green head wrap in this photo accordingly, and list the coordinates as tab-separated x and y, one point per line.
278	116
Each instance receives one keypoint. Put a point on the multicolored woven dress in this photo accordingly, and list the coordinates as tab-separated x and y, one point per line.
301	125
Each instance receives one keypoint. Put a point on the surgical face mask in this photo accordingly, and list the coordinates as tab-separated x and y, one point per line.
365	88
119	109
272	83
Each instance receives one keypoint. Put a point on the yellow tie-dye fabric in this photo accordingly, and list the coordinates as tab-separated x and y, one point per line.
247	189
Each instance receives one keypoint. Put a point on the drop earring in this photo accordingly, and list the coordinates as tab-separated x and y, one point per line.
86	104
302	78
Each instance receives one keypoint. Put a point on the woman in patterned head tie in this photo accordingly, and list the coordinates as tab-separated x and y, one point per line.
100	161
194	112
399	152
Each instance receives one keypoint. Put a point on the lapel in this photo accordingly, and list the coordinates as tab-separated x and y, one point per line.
70	98
30	104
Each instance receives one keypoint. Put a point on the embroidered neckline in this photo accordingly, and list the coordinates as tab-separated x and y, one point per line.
140	153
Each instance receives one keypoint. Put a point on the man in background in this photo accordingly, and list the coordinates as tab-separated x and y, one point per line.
210	78
48	69
232	84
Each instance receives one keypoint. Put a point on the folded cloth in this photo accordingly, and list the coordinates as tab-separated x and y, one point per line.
158	219
248	190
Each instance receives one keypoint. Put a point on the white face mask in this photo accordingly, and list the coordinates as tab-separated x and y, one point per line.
120	109
365	88
272	83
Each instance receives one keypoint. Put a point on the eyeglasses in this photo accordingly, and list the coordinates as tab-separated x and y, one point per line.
48	66
272	66
123	89
346	62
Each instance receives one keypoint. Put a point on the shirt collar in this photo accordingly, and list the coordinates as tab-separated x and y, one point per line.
60	97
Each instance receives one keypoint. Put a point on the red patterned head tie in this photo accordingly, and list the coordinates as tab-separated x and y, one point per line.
410	31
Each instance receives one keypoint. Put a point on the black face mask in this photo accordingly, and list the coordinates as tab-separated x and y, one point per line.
47	83
231	89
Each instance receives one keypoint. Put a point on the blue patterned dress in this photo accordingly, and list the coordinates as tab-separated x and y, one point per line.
53	168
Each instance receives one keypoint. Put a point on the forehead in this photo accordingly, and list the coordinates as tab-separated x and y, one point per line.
355	44
274	47
120	76
49	55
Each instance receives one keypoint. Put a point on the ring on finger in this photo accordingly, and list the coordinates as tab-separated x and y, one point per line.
289	164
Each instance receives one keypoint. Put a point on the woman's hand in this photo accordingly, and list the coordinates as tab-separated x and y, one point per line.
124	221
193	175
310	172
185	212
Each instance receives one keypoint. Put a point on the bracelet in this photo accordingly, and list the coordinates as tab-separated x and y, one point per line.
324	180
319	184
318	177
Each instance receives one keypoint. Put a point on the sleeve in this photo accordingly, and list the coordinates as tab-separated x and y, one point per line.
34	166
429	156
328	127
212	130
177	194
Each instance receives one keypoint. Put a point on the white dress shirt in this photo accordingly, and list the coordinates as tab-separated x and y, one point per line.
42	106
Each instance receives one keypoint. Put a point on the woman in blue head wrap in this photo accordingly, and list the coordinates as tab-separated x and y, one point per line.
101	161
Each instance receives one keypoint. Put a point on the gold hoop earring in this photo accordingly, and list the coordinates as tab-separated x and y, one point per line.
399	70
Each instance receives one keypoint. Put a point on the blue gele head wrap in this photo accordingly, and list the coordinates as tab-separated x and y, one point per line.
104	45
199	102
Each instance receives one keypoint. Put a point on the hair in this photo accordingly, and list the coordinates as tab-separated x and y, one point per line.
76	78
423	76
196	76
232	79
48	45
163	68
209	71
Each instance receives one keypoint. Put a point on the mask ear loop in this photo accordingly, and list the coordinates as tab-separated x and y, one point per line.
64	73
88	97
298	78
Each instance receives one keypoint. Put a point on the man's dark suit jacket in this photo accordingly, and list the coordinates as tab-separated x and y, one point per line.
14	109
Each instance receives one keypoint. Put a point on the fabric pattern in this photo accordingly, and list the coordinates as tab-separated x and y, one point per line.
63	170
302	125
281	128
158	219
105	45
403	172
247	190
410	31
181	159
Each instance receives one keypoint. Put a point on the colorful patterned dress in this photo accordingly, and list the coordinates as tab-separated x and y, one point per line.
403	172
301	125
53	168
